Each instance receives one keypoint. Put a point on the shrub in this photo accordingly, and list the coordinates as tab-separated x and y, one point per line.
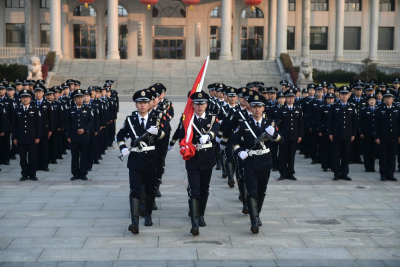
334	76
289	68
50	60
13	71
45	71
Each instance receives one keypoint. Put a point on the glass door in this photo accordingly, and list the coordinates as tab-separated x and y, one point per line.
252	43
84	41
122	41
215	42
169	42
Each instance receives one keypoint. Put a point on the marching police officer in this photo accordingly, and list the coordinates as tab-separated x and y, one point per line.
366	131
313	112
322	129
79	126
58	123
26	134
257	158
200	166
342	128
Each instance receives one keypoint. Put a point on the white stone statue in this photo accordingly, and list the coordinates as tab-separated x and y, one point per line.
35	69
305	73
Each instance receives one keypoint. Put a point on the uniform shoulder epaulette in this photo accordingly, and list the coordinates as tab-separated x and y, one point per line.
352	104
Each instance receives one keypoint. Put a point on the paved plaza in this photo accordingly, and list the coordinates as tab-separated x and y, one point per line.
314	221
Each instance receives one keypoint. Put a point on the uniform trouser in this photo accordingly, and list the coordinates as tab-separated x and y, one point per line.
315	146
199	182
90	154
256	181
42	153
137	178
14	149
111	133
60	143
340	158
106	134
306	140
102	140
53	148
274	152
64	142
355	152
79	156
369	151
287	152
5	143
96	150
27	151
387	159
326	155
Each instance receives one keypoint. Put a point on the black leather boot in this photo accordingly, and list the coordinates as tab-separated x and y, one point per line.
253	210
134	204
230	169
260	204
149	209
242	190
158	193
202	209
223	165
217	159
194	208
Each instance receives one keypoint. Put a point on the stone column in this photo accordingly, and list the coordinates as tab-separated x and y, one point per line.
112	30
281	36
374	28
339	38
65	45
272	30
29	49
305	30
226	30
55	27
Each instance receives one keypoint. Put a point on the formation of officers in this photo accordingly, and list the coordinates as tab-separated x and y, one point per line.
40	124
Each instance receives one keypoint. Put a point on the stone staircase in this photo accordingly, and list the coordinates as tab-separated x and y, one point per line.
177	76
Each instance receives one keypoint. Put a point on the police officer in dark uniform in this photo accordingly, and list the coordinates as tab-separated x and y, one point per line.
47	127
366	131
312	115
98	102
79	125
58	123
199	167
96	125
322	129
342	128
272	116
387	130
5	147
142	161
306	106
257	160
26	134
3	122
291	130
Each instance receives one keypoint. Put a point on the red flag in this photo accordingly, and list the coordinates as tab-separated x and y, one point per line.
187	148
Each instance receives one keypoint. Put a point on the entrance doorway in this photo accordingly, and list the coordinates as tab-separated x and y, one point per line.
84	41
252	42
122	41
169	42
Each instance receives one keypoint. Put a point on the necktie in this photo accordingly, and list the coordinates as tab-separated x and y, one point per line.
142	124
199	119
344	105
258	125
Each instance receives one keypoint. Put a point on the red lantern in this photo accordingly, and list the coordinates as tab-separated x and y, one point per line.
253	3
148	3
86	2
191	3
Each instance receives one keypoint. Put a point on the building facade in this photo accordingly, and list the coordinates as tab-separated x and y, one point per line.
341	30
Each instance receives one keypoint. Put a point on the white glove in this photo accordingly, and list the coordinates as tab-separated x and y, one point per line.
222	147
153	130
243	155
125	152
204	139
270	130
170	148
218	140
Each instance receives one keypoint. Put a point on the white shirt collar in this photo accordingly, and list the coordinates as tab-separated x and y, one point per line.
248	112
255	122
145	118
203	116
290	107
25	108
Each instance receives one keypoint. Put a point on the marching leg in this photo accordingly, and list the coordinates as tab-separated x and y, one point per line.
202	209
253	210
194	215
134	205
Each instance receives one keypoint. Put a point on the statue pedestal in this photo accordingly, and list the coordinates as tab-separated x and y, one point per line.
302	83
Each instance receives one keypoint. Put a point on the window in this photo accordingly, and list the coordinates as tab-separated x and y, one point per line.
216	13
385	38
319	38
353	5
15	35
15	3
169	9
252	14
319	5
292	5
122	12
45	35
387	5
82	11
290	38
44	3
352	38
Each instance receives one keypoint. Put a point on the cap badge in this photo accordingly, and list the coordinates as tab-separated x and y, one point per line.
200	95
256	97
143	93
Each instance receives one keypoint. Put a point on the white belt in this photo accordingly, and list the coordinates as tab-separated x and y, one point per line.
143	149
258	152
200	146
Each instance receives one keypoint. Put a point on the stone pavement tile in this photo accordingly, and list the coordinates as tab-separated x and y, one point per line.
61	223
73	206
22	206
303	263
345	241
9	199
380	231
115	222
262	253
356	263
98	264
327	222
81	254
47	243
99	214
30	264
254	263
274	230
244	220
27	232
122	242
140	263
87	193
220	263
185	221
19	255
199	242
3	213
36	214
181	263
71	264
389	263
89	231
158	254
261	241
376	253
386	241
313	254
5	241
19	223
48	200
